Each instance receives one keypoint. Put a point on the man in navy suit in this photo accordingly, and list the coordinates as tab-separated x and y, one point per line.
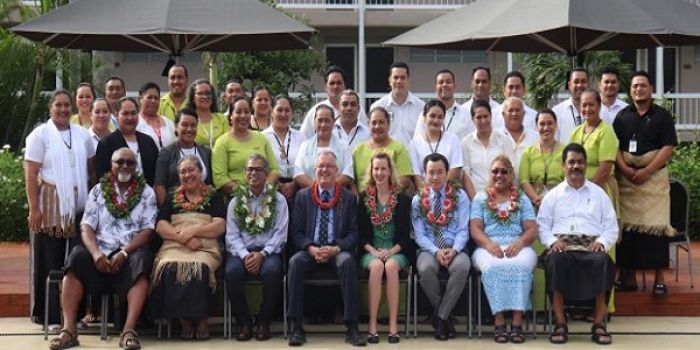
324	233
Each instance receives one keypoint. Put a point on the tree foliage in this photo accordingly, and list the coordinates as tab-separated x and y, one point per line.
547	72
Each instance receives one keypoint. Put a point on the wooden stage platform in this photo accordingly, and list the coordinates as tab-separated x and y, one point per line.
681	300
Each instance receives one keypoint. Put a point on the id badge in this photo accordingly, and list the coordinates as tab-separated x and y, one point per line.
633	146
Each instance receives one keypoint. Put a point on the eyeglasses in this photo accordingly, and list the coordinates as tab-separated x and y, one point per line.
502	171
122	162
204	94
252	169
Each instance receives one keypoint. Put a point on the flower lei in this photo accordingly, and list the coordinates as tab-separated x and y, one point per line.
371	201
179	201
502	215
448	206
316	197
255	224
109	193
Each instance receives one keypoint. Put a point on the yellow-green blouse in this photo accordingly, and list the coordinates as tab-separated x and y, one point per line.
534	165
209	132
364	152
229	157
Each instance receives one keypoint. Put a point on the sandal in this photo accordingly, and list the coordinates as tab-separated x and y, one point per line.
128	340
90	318
499	334
560	334
394	338
516	335
58	343
659	289
372	338
600	335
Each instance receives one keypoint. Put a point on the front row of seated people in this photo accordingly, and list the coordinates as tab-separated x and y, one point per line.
576	222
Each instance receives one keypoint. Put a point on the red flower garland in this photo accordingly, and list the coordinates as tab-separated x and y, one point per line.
448	205
180	202
499	214
316	197
371	200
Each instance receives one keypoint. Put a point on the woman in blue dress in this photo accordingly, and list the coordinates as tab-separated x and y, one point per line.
502	224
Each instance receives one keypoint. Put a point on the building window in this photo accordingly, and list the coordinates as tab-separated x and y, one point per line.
422	55
696	48
448	56
474	57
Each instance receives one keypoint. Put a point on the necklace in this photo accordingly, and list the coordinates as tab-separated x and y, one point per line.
180	200
371	202
504	216
316	198
118	209
448	205
255	223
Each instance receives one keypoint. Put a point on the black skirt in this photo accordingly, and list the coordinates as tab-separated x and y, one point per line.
642	251
171	299
579	276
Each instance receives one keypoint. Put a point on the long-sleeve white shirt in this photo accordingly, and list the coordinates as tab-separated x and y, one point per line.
239	242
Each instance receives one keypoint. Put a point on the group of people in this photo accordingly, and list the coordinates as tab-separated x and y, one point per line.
149	197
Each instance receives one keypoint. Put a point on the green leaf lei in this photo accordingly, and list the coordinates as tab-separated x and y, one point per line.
261	222
109	193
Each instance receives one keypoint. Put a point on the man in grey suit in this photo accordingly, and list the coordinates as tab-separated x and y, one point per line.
324	233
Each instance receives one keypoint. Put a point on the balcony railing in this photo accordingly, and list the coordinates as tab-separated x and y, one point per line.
374	4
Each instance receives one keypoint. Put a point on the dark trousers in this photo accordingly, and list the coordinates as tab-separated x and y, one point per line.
271	276
46	254
343	264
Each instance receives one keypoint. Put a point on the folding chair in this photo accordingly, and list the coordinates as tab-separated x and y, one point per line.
443	277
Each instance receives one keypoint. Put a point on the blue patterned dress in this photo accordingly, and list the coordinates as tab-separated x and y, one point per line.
507	281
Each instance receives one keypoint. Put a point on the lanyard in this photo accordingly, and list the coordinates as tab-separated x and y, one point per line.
284	154
577	120
340	133
183	152
436	145
68	144
454	110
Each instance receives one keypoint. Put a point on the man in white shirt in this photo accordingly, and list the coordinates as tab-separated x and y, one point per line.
609	88
404	107
457	119
481	89
347	127
514	86
115	90
578	225
335	84
569	111
232	89
520	136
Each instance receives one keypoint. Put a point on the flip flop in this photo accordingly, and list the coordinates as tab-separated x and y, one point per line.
660	289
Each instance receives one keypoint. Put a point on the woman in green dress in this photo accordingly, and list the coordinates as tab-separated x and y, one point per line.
601	144
384	225
540	170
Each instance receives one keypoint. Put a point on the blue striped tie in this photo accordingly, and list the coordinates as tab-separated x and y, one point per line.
437	210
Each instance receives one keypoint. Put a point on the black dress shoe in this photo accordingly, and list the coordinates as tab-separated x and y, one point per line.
354	337
394	338
451	331
373	338
297	338
441	329
263	331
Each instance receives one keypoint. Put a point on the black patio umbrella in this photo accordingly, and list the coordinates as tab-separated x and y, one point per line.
175	27
566	26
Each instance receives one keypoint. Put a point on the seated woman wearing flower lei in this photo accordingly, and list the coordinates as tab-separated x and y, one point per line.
384	227
190	224
502	224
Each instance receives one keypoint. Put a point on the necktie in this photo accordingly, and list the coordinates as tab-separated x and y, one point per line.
325	219
437	209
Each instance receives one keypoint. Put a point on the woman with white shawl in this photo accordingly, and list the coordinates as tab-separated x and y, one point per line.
58	168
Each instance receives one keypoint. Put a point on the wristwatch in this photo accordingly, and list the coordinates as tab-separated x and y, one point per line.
264	253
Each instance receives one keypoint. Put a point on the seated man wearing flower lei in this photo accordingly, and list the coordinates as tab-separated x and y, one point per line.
324	234
256	233
118	222
440	216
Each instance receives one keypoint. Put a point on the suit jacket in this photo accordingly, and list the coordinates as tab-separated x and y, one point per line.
166	166
344	221
402	226
148	151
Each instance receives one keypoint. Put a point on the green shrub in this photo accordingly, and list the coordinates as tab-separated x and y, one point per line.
13	202
685	166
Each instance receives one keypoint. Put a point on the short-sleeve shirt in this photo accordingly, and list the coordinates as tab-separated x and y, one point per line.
404	117
448	145
477	158
364	152
209	132
289	146
601	145
536	167
652	131
113	233
38	143
457	121
229	157
162	139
